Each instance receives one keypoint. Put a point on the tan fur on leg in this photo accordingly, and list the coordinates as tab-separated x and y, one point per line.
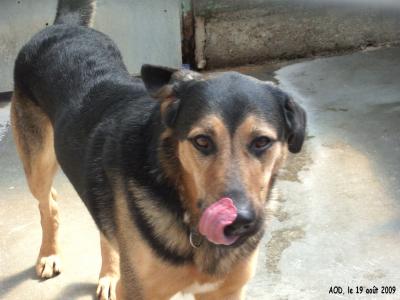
49	261
33	135
109	273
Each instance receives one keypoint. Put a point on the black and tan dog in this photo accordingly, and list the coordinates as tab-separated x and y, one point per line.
175	169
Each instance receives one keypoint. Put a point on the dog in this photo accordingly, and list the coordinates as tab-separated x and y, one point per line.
175	168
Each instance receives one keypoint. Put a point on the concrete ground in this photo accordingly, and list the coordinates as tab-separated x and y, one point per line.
338	219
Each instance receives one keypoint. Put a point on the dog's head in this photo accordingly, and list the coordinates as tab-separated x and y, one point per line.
228	135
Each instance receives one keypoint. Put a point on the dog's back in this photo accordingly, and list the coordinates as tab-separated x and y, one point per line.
75	75
61	64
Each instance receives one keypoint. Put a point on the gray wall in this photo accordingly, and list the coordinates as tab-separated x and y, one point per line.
234	32
145	31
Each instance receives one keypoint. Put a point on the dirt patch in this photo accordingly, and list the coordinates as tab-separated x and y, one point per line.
281	240
295	164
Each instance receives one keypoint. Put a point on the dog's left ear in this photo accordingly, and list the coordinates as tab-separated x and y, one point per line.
162	83
158	80
296	121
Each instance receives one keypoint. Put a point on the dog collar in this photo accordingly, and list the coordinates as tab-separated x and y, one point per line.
195	239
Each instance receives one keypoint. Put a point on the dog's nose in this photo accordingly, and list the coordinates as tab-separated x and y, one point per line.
244	222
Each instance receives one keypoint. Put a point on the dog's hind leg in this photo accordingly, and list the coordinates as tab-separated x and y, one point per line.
33	135
109	273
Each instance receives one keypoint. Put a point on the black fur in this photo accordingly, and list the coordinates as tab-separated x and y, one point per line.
296	121
75	12
107	124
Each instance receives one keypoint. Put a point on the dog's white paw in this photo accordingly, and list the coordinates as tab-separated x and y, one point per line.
48	266
106	289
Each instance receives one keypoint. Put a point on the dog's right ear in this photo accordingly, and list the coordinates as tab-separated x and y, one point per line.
161	83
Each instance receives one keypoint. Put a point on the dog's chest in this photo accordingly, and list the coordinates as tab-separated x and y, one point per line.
202	288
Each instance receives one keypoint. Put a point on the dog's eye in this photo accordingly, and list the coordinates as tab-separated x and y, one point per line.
260	144
203	143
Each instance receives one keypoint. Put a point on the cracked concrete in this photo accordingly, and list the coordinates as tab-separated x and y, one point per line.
337	217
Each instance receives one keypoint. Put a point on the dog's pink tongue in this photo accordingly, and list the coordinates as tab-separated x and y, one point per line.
214	220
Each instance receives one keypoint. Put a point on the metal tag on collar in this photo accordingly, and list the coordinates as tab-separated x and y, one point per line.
195	239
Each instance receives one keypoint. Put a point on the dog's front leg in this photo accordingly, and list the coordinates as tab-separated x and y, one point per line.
109	273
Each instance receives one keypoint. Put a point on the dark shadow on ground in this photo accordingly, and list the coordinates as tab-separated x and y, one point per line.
11	282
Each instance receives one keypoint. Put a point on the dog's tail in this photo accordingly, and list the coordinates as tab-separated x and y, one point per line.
75	12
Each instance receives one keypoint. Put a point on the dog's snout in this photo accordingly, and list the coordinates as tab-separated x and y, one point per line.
245	216
244	222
